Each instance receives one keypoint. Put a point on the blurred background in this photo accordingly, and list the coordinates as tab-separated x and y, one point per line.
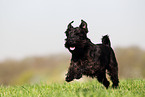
32	36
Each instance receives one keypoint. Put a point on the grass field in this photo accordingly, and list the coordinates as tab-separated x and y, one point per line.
127	88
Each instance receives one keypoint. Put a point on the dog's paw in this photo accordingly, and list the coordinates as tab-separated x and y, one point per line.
78	76
115	86
68	79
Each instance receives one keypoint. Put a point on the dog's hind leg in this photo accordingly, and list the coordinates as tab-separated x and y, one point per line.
113	70
102	79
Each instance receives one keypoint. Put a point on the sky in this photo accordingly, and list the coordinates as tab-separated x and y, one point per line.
36	27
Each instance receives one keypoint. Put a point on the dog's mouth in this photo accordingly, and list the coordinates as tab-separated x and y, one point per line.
72	48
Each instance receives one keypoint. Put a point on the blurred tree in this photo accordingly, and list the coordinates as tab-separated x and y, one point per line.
131	62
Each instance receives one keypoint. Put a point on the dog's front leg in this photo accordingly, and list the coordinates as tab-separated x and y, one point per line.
74	72
70	74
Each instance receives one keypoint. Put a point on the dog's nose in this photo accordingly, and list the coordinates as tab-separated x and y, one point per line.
70	42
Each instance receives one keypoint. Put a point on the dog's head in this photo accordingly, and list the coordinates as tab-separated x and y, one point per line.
76	36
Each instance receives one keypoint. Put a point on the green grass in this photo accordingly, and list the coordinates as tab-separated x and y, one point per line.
127	88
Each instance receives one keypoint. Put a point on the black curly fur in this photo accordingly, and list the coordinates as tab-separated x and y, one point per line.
90	59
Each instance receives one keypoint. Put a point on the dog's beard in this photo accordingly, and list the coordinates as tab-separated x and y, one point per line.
76	46
70	47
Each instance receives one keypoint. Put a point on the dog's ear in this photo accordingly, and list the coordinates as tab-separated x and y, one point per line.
70	25
83	25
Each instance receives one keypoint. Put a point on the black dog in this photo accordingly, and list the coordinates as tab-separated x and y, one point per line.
90	59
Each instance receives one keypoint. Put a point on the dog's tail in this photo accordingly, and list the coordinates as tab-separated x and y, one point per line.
106	40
